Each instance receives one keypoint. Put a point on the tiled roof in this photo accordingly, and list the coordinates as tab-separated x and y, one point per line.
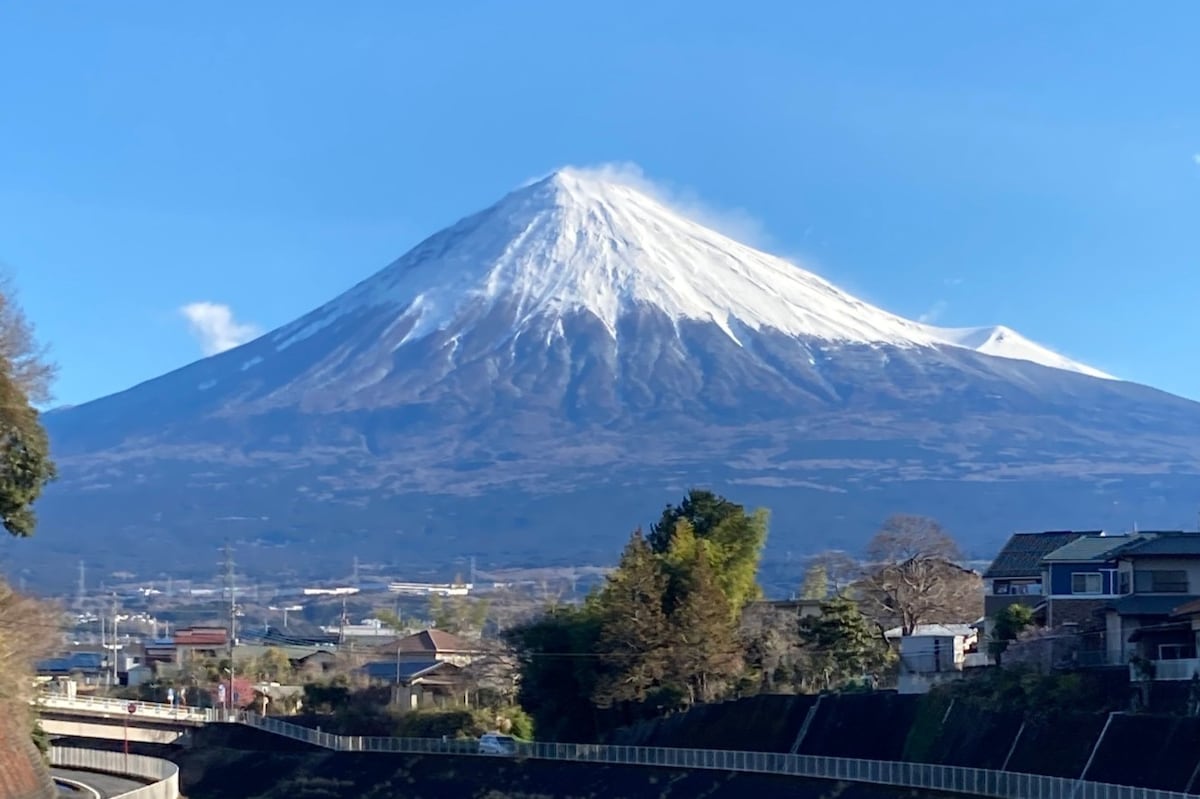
405	672
1088	548
1022	555
432	641
76	661
1150	604
1162	544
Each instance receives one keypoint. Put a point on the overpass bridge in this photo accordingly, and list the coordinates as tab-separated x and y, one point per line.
957	780
118	719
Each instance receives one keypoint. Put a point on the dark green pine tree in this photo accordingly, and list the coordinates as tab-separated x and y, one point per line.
842	644
705	657
634	637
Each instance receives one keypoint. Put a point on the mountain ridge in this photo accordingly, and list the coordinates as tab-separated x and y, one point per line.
579	339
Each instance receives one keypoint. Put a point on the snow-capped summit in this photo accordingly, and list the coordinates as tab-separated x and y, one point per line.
579	242
1004	342
530	383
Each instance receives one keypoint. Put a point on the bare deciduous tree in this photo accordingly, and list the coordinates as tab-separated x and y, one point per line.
28	365
494	674
839	569
769	638
27	632
912	576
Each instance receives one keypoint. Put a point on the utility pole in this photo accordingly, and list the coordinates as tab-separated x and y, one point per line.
81	591
115	643
354	580
230	587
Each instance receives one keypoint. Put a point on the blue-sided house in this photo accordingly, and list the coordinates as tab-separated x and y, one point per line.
1081	580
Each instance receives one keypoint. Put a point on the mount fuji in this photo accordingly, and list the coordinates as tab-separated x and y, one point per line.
533	381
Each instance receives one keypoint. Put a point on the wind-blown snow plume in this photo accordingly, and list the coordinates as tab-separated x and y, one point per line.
598	242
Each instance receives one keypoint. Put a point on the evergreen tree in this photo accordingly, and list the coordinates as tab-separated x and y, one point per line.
842	644
736	539
704	647
25	375
557	659
1007	626
634	636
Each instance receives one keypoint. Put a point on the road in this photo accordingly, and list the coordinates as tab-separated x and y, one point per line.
104	784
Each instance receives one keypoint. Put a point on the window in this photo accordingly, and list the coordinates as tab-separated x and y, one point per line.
1087	583
1176	651
1160	581
1022	587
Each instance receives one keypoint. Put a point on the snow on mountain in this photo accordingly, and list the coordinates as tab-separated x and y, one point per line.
528	382
1004	342
575	242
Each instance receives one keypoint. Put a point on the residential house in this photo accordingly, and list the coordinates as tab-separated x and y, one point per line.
1016	575
1081	581
421	684
931	654
84	668
275	636
200	643
316	665
802	608
138	674
434	645
160	651
1158	579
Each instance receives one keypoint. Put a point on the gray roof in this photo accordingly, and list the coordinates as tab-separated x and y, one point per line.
1022	555
1150	604
404	672
1162	544
1088	548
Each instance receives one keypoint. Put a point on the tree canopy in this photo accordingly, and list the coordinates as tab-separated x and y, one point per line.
735	541
25	375
842	645
913	577
661	633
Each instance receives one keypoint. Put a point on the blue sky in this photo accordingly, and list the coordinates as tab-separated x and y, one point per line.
1026	163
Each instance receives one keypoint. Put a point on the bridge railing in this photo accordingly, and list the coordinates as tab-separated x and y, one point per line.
162	776
928	776
120	707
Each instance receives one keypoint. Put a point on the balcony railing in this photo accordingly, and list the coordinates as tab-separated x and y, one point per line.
1181	669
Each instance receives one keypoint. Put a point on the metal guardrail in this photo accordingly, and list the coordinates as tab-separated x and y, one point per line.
120	707
163	775
949	779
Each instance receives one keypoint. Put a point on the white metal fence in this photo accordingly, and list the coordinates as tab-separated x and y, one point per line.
162	775
950	779
120	707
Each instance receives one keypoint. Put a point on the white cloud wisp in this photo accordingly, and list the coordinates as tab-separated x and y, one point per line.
214	326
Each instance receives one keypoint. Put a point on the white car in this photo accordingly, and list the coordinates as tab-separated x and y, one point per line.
494	743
